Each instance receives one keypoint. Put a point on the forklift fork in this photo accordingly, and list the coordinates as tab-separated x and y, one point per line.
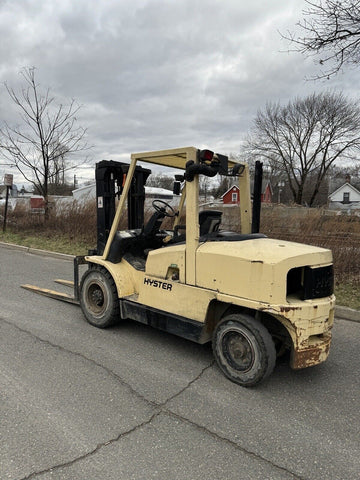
65	297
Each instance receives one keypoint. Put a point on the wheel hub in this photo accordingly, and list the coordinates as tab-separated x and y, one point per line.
96	298
238	351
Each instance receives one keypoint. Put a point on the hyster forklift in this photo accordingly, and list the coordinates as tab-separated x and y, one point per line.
252	296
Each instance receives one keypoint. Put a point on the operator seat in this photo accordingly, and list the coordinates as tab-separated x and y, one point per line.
154	223
209	221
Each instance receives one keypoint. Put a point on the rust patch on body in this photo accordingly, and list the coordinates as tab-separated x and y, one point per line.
310	356
288	309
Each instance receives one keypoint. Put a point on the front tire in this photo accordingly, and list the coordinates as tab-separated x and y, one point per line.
98	297
244	349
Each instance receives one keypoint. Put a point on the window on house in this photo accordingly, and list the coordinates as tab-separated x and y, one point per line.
234	197
346	197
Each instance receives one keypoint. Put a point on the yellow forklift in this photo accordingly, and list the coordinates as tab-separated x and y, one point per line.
251	296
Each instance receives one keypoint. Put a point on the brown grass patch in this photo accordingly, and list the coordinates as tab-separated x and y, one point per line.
341	233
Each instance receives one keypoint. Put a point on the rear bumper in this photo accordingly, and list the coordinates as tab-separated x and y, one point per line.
309	324
316	352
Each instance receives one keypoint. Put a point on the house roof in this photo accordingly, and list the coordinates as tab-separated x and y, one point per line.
345	185
336	183
265	183
231	188
90	190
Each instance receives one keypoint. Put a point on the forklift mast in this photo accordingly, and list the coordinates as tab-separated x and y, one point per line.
255	225
110	178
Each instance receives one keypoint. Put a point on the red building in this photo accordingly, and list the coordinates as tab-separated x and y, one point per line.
232	196
37	202
266	194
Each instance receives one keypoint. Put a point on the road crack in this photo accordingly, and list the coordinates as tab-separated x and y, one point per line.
84	357
161	408
158	406
94	451
232	443
188	385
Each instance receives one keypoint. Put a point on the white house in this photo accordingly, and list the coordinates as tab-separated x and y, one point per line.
85	193
345	197
88	192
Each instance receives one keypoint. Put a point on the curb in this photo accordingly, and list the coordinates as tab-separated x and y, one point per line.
343	313
37	251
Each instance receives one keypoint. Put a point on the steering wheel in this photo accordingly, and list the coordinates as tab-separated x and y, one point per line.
162	209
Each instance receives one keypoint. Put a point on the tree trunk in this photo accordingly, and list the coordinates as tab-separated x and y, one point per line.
46	209
299	195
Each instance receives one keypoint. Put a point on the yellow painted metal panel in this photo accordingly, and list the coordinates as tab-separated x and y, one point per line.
162	261
175	158
175	297
254	269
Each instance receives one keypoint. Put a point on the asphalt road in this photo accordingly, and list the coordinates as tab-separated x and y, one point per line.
131	402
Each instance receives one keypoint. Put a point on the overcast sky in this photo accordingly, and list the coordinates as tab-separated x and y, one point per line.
155	74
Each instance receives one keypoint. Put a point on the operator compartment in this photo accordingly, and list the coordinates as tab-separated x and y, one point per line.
125	241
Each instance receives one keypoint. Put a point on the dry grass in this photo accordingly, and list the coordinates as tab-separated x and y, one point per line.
72	229
339	233
326	229
73	223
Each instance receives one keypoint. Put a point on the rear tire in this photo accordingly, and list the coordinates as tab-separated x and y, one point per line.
244	349
98	297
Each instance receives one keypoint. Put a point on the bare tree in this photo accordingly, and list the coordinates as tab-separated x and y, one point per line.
331	29
305	138
47	136
160	180
223	186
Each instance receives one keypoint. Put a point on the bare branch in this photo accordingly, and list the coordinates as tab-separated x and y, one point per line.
331	30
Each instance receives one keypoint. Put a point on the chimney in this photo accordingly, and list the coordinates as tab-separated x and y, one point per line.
347	178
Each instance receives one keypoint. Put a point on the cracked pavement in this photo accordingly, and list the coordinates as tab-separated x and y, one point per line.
131	402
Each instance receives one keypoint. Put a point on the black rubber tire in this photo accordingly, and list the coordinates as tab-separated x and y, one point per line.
243	349
98	297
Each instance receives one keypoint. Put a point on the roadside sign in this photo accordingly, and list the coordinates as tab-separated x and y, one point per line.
8	180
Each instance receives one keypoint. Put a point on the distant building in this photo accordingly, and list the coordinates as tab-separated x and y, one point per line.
13	191
346	197
88	192
267	192
83	194
12	199
232	196
37	203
